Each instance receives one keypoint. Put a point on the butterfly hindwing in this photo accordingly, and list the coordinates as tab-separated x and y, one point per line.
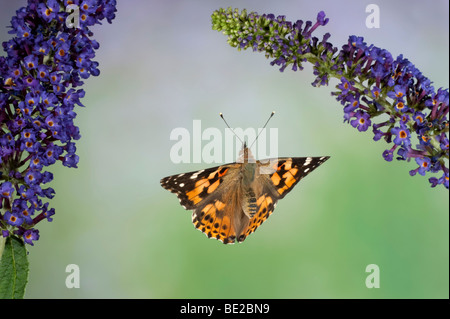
266	204
217	217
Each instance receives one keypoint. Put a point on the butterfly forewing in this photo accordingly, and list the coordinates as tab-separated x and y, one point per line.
290	170
193	187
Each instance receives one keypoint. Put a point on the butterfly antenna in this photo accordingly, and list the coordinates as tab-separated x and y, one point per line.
221	115
272	114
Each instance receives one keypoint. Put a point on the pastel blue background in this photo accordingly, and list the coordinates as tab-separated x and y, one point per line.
162	67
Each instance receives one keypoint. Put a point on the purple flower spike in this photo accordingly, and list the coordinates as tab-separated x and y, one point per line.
372	83
40	77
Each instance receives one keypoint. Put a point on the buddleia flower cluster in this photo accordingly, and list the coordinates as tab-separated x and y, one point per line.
46	62
387	95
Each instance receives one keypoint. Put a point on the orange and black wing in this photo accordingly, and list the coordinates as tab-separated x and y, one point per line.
193	187
213	195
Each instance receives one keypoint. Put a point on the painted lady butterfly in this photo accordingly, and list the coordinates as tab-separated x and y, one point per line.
230	201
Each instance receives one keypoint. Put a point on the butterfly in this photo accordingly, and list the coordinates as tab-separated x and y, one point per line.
231	201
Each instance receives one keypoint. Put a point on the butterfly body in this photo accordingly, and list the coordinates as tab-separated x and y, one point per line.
231	201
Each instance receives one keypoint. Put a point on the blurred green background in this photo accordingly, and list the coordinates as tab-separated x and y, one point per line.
162	67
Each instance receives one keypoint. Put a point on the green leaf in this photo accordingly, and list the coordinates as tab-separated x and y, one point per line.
13	269
2	245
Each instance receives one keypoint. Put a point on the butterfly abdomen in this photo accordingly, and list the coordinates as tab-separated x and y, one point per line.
249	203
249	197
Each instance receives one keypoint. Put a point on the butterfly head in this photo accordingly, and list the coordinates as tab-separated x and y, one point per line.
245	155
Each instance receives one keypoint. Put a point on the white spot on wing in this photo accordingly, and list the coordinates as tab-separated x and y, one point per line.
194	176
